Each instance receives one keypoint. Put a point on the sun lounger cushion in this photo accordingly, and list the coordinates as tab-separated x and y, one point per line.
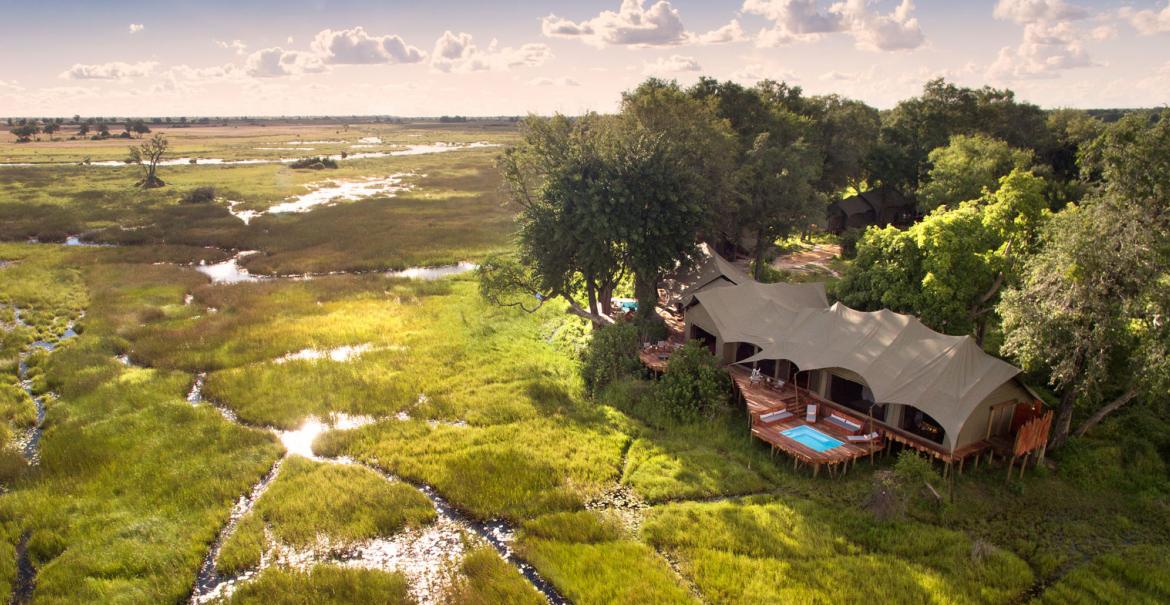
845	423
810	413
857	438
774	416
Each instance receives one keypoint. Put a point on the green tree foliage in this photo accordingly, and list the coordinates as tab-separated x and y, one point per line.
949	268
24	132
967	166
147	155
600	198
918	125
693	387
1092	308
785	142
612	354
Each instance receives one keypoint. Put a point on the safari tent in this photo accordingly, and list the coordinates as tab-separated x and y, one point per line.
929	389
882	206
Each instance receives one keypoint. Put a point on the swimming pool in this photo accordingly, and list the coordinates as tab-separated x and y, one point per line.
811	438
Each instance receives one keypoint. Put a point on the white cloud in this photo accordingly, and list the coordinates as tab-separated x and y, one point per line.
356	47
671	64
236	45
898	30
114	70
632	25
554	82
458	53
1030	11
804	21
275	62
1051	43
136	27
1148	22
10	86
288	40
1046	50
732	32
1104	32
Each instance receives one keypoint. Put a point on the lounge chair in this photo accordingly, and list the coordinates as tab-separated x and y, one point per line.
776	416
756	376
862	438
845	423
810	413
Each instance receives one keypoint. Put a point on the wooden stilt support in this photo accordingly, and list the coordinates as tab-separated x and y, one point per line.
1011	462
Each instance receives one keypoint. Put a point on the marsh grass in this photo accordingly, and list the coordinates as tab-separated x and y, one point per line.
483	578
768	550
345	503
1134	575
591	561
324	585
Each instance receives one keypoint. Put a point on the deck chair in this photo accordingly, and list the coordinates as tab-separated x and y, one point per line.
756	376
810	413
862	438
776	416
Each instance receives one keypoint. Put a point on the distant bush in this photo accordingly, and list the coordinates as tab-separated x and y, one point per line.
911	482
693	387
314	163
611	354
199	195
848	240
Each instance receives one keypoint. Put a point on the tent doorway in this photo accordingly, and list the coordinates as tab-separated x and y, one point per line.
920	423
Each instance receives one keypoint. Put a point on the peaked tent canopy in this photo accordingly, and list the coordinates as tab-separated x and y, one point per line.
715	271
900	359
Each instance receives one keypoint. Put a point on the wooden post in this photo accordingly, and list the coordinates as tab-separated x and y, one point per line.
1011	462
816	469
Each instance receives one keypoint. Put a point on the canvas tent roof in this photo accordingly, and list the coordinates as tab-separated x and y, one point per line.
754	312
875	200
714	271
900	359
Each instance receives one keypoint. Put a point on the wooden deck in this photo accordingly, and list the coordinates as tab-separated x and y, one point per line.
654	358
761	399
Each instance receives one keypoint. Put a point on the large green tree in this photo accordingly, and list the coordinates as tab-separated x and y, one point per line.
1093	309
950	268
966	166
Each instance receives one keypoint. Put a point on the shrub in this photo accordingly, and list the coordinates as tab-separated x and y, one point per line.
611	354
693	387
848	240
911	481
199	195
314	163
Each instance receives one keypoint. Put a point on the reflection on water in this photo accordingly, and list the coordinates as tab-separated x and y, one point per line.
188	161
429	273
228	271
300	441
342	353
330	191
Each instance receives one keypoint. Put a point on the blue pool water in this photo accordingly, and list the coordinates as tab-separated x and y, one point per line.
628	305
811	438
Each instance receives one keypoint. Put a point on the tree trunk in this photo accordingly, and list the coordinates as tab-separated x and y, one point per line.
591	292
646	291
1107	409
1063	420
758	263
605	297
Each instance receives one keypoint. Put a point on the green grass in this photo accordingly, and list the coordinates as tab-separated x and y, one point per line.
590	561
484	578
1134	575
762	550
324	585
348	504
309	500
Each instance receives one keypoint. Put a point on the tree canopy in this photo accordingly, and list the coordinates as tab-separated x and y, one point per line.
967	166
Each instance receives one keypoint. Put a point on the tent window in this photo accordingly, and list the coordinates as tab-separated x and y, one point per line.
706	337
920	423
854	396
744	350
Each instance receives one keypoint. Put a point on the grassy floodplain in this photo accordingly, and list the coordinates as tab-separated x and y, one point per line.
610	504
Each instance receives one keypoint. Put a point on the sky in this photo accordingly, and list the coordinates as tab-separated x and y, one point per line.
468	57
